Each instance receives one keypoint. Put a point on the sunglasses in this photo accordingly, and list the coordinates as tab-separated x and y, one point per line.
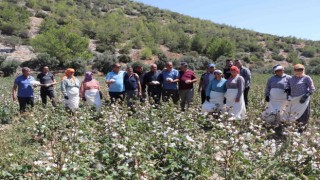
298	70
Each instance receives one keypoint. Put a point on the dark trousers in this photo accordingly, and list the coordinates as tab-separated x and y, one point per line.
245	95
116	96
203	96
155	96
46	92
24	101
170	93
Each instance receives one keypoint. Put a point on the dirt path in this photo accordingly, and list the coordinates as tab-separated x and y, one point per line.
35	24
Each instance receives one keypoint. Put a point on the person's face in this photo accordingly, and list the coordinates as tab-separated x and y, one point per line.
183	68
211	69
279	72
139	69
229	63
238	64
116	68
153	68
26	73
45	70
298	72
233	73
71	74
169	66
218	75
129	70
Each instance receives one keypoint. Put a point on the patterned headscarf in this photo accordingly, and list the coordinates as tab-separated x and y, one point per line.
88	76
68	72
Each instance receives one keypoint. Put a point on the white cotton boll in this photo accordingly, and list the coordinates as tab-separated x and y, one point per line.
224	142
189	138
169	79
34	83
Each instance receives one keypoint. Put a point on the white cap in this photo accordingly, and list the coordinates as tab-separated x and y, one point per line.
217	72
278	67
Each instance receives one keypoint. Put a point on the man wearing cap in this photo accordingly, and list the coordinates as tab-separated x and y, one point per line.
186	92
47	81
151	79
226	70
115	81
204	81
25	91
275	94
246	74
169	78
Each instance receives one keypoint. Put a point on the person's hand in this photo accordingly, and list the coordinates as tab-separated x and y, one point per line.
224	100
140	94
304	98
14	97
267	99
208	98
66	97
237	100
84	98
188	81
101	96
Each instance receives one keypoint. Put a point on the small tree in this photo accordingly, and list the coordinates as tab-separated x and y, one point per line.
221	47
104	62
9	67
42	60
146	53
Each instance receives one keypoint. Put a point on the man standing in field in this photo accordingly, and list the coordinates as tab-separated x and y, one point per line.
114	80
25	91
151	79
138	69
246	74
47	82
169	79
186	79
226	70
204	81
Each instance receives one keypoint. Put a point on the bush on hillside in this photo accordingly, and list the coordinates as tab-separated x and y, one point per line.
146	53
42	60
79	65
104	62
9	67
124	59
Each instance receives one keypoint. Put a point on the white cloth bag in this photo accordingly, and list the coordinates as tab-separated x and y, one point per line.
215	103
295	109
93	97
74	99
235	109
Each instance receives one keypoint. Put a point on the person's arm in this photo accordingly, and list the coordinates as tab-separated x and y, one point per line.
240	87
138	83
177	78
82	90
64	88
200	84
310	86
268	88
194	78
54	82
108	78
14	92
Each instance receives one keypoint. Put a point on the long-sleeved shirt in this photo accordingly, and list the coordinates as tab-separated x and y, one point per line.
152	76
236	83
205	80
301	85
216	85
246	74
280	82
93	84
69	83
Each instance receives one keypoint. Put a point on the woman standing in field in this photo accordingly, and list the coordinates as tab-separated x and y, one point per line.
234	95
90	90
215	93
275	95
70	89
302	87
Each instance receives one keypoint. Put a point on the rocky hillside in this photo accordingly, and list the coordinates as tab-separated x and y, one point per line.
133	31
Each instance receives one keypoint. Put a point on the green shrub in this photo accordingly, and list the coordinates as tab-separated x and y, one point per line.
9	67
124	58
308	51
104	62
42	60
146	53
79	65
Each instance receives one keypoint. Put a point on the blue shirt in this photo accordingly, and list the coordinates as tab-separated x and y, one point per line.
24	87
216	85
173	74
118	85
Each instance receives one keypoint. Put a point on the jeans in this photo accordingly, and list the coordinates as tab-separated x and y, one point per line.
186	96
24	101
131	97
170	93
155	96
245	95
116	96
50	93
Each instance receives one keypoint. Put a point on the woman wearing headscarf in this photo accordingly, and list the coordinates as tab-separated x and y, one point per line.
302	87
70	89
90	90
276	95
234	96
215	93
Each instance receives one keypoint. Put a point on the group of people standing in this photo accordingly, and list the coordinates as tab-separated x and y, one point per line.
226	91
287	97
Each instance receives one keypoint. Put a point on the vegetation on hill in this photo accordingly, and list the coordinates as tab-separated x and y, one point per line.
122	25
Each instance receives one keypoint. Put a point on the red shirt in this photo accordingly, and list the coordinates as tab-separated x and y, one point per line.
184	76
